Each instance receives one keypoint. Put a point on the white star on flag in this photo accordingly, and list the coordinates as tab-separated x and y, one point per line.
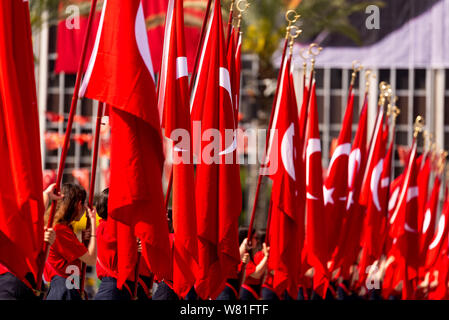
327	193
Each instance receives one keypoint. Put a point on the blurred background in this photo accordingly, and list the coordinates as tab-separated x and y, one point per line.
403	42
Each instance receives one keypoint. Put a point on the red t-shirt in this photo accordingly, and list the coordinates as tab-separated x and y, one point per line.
65	251
106	250
251	268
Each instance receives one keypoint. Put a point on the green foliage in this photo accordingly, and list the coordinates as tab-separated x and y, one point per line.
38	7
264	23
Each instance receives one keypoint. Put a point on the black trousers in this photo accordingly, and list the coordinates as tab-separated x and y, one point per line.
108	290
59	291
268	294
228	293
247	295
11	288
164	292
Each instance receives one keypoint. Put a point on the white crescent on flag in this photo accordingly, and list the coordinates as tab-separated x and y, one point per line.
426	223
341	150
375	179
287	151
355	158
393	199
313	146
441	226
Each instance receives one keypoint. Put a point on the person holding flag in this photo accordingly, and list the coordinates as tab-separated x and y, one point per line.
67	251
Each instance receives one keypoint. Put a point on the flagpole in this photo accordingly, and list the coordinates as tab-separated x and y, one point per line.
46	247
136	276
288	43
291	20
92	189
231	16
200	45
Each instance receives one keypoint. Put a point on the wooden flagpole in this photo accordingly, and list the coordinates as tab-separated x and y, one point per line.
93	176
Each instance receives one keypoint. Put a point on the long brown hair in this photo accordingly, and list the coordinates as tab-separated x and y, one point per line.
66	208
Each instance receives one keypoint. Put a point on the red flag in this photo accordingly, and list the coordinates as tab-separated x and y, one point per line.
335	189
316	239
365	191
406	229
374	229
174	106
287	217
347	250
69	38
426	228
120	73
302	123
21	202
442	266
423	184
440	239
217	173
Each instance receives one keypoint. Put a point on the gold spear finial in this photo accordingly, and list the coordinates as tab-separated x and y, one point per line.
356	67
241	10
396	113
442	161
291	16
368	75
419	126
293	36
304	63
314	54
384	92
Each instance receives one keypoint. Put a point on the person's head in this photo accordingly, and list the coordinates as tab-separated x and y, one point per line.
101	204
260	238
71	207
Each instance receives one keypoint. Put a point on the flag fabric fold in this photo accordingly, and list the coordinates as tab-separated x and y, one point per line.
287	215
120	73
174	109
21	201
316	238
217	171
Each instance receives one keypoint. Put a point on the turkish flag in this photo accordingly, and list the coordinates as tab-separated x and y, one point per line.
174	107
335	189
69	37
287	213
302	122
120	73
370	163
427	226
348	248
217	171
21	202
375	224
406	229
316	239
439	241
425	170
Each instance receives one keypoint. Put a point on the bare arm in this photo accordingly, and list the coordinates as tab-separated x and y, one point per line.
262	266
90	257
49	195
